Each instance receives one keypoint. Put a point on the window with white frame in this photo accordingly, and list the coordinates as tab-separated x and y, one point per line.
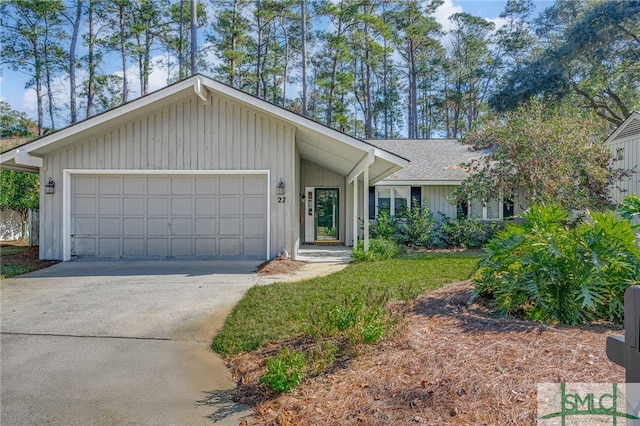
491	210
392	198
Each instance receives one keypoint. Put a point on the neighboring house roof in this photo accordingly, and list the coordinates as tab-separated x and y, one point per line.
318	144
432	161
629	127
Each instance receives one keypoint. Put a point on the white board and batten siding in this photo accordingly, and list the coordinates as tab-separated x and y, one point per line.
629	144
439	199
201	169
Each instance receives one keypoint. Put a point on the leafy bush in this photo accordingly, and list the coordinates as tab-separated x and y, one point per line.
547	271
630	208
385	226
285	371
417	228
468	233
379	249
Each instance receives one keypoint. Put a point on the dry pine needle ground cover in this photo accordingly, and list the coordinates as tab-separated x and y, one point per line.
451	363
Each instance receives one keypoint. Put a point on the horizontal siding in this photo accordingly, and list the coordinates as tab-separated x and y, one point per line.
188	134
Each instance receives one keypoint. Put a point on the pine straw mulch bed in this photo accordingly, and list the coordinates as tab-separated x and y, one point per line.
28	257
280	266
451	363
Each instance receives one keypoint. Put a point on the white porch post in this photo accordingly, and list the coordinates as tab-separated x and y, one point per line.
365	210
355	212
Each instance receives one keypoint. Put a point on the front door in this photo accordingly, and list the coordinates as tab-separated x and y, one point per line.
327	214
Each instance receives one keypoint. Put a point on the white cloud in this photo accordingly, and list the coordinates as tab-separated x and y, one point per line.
444	11
29	101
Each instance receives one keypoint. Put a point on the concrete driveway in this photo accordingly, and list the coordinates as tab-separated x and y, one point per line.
115	343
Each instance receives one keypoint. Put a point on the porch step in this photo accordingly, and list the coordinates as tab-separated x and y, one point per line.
327	243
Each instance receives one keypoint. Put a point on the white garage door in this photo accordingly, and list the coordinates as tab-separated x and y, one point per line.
169	215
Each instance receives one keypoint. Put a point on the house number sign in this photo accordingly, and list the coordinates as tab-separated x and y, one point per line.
281	199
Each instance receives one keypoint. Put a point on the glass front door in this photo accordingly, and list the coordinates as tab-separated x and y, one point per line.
327	214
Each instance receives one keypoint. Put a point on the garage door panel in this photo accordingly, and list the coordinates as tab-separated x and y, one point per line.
109	247
253	206
206	246
254	246
159	216
157	247
85	185
109	226
157	206
182	227
133	247
133	186
158	227
253	226
206	206
133	226
158	186
230	226
230	206
86	245
109	206
206	185
181	186
181	247
206	227
230	247
181	206
84	205
110	185
85	225
230	185
133	206
254	186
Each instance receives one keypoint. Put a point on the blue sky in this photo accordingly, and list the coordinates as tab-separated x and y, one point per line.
12	84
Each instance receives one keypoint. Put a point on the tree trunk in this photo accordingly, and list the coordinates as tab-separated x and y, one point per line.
194	36
332	90
303	17
72	63
91	67
123	53
181	42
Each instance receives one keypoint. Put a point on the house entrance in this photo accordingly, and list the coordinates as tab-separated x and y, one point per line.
327	214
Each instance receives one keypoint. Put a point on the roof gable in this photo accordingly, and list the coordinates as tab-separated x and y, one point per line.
629	127
317	143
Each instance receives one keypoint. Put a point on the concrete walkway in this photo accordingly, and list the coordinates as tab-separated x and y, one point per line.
127	342
321	261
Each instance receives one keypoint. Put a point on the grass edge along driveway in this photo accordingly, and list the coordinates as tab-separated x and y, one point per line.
285	310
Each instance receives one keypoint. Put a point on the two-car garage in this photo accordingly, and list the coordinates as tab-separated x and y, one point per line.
141	215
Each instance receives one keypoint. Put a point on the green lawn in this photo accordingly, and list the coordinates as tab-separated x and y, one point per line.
284	310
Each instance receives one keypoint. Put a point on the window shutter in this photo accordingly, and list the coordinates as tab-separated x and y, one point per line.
372	202
416	194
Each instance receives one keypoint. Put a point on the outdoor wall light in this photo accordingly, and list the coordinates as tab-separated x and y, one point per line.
50	187
280	188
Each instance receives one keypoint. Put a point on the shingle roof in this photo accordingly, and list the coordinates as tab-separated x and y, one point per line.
435	160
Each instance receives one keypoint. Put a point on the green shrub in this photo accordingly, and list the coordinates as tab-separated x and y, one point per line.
385	226
285	371
545	270
468	233
379	249
630	209
417	227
